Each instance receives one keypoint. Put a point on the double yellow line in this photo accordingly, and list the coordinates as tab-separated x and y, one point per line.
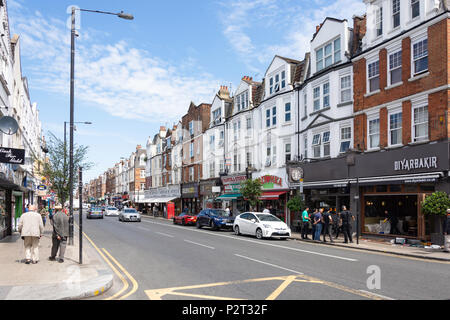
123	277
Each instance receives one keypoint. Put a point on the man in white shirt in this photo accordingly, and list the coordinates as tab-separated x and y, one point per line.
31	229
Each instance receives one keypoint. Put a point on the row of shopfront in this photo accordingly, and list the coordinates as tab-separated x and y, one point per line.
372	185
15	193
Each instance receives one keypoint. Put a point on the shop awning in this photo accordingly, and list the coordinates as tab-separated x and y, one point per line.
159	200
165	200
271	195
226	197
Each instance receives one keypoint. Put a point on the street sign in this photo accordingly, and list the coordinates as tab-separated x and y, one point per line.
301	185
42	187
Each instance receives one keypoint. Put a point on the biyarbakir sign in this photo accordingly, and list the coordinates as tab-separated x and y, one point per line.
415	164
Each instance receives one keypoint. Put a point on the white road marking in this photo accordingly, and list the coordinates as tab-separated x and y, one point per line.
269	264
165	234
378	295
253	241
199	244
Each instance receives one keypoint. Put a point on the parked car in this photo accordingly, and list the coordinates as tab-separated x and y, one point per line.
111	212
215	219
131	215
185	219
95	212
261	225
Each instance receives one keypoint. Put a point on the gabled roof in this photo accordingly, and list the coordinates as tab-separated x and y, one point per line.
320	26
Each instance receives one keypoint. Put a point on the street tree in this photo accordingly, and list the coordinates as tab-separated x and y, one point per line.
55	169
251	190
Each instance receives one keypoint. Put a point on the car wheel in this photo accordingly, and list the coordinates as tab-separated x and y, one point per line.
237	231
198	225
259	234
174	222
183	222
212	225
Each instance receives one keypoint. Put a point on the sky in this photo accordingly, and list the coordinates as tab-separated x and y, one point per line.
134	76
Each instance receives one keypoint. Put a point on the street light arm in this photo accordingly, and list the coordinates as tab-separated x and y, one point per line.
121	14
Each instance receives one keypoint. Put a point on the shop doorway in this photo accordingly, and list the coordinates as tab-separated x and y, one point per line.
18	210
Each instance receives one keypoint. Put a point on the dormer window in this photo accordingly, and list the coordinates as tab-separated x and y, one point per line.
395	13
277	82
415	8
216	116
329	54
242	101
379	21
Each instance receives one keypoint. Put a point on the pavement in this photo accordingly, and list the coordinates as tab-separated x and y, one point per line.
375	245
49	280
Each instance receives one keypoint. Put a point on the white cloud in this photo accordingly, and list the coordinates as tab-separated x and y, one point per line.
291	24
124	81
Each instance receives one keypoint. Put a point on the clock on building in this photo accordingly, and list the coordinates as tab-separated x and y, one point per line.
296	174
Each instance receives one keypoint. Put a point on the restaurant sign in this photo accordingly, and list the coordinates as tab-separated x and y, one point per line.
269	181
13	156
414	164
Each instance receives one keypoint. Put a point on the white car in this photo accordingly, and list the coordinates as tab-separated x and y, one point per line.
111	212
261	225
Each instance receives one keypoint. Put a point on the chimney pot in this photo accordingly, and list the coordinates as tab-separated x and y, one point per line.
317	27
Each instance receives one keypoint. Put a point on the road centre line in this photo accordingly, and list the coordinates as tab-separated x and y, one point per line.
199	244
257	242
269	264
165	234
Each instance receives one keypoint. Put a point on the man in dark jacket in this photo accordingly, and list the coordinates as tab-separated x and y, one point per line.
346	220
60	224
447	232
327	224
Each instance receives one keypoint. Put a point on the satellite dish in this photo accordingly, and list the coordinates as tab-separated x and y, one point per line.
8	125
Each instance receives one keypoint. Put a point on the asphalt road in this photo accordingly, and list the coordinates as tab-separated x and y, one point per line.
155	259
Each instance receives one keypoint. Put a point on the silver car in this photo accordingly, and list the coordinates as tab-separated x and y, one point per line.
131	215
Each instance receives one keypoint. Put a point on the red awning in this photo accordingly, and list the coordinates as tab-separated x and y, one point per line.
272	195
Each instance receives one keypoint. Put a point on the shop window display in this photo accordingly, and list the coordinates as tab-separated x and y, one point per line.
2	211
396	215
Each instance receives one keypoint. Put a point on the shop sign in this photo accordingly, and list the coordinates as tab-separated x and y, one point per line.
232	188
233	180
42	187
269	181
414	164
13	156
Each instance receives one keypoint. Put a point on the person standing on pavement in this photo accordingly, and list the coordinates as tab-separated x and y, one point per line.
336	223
305	223
60	224
327	224
44	214
447	232
313	226
318	224
267	209
346	220
31	229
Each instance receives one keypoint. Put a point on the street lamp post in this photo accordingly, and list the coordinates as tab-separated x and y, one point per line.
65	168
72	96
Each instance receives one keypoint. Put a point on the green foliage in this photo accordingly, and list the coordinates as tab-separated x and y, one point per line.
296	204
436	204
56	168
251	190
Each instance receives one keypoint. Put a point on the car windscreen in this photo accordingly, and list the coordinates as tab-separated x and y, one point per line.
96	209
221	213
112	209
267	217
130	211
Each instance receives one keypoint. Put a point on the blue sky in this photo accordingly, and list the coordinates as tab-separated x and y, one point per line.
134	76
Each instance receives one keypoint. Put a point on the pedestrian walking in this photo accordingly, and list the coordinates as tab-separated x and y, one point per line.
60	224
447	232
305	223
44	214
346	220
313	226
327	225
267	209
318	224
31	229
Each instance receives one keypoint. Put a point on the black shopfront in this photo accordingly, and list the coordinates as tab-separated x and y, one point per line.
190	197
383	186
